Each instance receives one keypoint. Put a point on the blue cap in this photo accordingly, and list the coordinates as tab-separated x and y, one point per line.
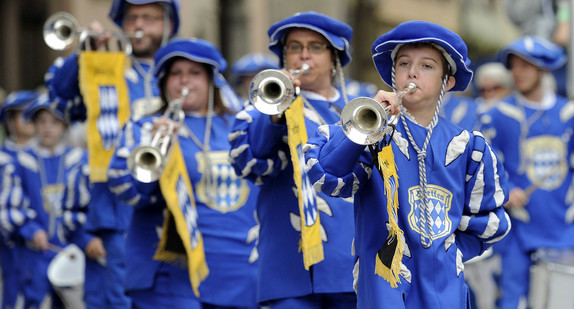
118	10
43	102
17	100
336	32
253	63
454	49
537	51
197	50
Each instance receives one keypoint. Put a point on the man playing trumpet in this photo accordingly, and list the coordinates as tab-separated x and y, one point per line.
134	93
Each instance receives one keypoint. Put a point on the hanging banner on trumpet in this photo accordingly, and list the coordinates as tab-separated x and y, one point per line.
104	89
311	243
180	226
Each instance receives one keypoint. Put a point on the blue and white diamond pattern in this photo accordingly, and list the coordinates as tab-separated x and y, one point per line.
107	122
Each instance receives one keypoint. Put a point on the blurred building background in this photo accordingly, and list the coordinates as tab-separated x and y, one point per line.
240	26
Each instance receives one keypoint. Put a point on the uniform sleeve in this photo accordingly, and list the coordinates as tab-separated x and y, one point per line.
258	148
15	208
75	202
336	166
61	80
484	220
120	180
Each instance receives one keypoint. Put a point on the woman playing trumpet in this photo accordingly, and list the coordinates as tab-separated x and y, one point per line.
189	74
305	251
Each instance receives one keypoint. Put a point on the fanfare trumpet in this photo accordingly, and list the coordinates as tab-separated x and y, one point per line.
62	29
271	91
147	162
365	121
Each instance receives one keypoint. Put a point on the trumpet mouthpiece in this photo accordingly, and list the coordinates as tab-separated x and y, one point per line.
138	34
411	87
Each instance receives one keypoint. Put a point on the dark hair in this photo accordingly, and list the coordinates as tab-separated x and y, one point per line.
218	105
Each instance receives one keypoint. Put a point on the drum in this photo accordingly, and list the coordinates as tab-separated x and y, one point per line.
66	274
552	279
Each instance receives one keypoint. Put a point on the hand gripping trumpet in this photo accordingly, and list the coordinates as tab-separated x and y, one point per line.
271	91
365	121
62	29
147	162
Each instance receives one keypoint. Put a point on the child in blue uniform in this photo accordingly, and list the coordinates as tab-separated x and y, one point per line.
19	133
448	184
225	203
41	169
260	153
531	130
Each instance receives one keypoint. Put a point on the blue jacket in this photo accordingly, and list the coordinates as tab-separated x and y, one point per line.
466	189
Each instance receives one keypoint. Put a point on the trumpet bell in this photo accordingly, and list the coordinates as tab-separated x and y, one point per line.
271	92
365	121
146	163
60	30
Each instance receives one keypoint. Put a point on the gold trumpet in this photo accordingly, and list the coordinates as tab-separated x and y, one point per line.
365	121
272	91
62	29
147	162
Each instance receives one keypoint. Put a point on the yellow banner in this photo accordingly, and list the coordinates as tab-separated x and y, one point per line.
310	243
178	194
105	94
388	259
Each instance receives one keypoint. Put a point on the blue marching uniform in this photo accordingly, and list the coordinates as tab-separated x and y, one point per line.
226	221
536	158
466	212
42	175
10	216
260	153
107	217
460	110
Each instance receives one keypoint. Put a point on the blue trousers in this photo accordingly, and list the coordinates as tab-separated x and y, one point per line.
104	285
316	301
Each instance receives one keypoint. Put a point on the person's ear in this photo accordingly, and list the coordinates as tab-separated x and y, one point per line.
450	83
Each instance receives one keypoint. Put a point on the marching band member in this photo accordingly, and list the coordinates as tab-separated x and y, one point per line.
134	93
197	192
41	170
19	134
531	130
305	258
434	197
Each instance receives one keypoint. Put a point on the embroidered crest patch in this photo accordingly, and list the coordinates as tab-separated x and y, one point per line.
439	203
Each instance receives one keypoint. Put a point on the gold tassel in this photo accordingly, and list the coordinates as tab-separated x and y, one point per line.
389	257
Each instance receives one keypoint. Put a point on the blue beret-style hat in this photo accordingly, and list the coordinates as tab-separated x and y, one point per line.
197	50
253	63
453	48
17	100
536	50
118	10
42	102
336	32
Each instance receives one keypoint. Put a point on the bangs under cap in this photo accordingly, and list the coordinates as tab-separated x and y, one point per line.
17	100
447	42
538	51
336	32
118	11
43	102
197	50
